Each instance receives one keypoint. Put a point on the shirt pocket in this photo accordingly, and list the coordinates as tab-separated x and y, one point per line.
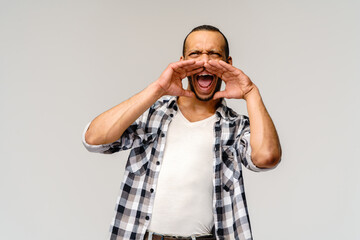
140	156
230	167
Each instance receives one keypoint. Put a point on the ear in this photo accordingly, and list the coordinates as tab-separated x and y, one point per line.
181	58
229	60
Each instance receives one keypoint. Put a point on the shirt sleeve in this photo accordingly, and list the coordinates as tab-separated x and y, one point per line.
132	137
245	149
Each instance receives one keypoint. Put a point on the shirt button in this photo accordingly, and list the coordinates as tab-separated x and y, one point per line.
147	217
151	190
157	163
171	115
162	135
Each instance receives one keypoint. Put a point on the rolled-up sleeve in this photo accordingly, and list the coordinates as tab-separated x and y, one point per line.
131	137
245	148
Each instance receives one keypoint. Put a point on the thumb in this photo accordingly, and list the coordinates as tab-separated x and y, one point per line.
187	93
220	94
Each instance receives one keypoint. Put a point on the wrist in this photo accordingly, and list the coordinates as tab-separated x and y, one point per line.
156	89
253	93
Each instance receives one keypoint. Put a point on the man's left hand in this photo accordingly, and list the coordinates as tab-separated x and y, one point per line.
238	85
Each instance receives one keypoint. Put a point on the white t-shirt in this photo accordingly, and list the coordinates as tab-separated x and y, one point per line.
183	196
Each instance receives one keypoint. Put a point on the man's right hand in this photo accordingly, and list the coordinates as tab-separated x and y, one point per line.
170	81
110	125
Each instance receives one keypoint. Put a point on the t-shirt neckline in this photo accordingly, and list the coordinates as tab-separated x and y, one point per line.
196	122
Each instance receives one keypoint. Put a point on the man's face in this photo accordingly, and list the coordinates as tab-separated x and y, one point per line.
203	46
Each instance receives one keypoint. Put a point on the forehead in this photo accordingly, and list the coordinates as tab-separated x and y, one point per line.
205	39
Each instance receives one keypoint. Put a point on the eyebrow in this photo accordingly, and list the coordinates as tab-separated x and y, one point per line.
215	51
210	51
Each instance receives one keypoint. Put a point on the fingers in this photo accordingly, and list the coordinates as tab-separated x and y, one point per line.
215	68
217	64
187	67
186	63
222	69
227	66
195	71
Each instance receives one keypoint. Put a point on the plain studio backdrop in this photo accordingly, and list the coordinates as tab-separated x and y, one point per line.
64	62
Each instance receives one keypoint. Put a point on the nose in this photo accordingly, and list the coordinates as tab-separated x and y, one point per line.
204	57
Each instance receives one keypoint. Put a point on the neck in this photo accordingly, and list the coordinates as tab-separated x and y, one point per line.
196	106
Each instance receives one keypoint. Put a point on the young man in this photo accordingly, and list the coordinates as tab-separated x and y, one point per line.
184	173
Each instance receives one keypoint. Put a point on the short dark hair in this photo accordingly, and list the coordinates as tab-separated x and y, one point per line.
208	28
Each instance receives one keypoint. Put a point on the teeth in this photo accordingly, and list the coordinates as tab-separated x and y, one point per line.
205	75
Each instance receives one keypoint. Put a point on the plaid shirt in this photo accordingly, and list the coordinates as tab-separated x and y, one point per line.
146	138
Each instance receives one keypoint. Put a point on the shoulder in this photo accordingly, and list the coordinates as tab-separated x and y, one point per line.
235	118
164	100
234	125
163	106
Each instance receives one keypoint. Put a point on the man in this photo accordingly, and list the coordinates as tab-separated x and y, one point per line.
184	176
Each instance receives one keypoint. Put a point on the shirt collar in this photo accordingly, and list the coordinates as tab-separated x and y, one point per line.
222	111
172	104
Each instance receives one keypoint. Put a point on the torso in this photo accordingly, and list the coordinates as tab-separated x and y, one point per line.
183	197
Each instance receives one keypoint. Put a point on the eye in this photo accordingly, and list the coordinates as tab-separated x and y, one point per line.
216	54
194	54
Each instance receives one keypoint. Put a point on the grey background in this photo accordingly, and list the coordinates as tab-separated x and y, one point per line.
64	62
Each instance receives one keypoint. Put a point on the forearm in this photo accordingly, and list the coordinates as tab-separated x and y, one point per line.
110	125
264	140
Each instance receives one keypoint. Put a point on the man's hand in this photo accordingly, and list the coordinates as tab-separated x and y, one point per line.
111	124
265	144
238	85
170	80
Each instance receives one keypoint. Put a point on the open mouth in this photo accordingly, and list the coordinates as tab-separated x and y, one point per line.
204	80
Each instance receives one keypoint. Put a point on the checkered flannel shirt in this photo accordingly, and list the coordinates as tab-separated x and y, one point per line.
146	138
